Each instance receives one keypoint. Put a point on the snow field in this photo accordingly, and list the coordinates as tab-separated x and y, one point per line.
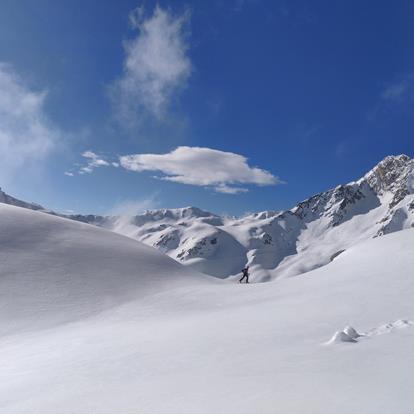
93	322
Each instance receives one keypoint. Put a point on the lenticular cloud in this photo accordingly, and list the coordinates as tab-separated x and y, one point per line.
202	167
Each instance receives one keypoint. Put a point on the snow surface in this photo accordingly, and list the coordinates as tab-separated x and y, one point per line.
55	270
94	322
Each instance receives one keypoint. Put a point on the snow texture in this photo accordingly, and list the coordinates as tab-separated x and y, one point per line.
95	322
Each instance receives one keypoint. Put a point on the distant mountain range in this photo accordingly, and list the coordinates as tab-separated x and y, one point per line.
275	243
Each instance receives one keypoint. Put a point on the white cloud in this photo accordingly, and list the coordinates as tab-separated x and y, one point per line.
85	170
26	135
225	189
69	174
156	64
134	207
202	167
89	154
93	161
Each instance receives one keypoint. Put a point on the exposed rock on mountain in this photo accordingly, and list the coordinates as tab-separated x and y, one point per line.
275	243
289	242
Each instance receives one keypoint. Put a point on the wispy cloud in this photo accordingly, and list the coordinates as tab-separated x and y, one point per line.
125	211
156	65
26	134
400	90
396	97
93	161
134	207
202	167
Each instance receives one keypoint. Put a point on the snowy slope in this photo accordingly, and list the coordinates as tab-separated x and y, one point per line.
55	270
163	340
283	243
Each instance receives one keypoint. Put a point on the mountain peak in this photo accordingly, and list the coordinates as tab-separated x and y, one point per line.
394	161
393	174
175	213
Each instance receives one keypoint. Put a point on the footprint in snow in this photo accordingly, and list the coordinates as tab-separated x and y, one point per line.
389	327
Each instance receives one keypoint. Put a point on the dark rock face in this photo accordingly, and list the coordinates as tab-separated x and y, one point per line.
390	173
168	241
309	208
399	195
267	238
200	248
394	174
335	255
345	196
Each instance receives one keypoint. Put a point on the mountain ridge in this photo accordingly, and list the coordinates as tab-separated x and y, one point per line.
277	243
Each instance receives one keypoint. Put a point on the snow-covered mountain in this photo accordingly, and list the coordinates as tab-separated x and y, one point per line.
281	243
94	322
7	199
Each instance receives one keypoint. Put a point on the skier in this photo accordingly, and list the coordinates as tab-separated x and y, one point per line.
245	273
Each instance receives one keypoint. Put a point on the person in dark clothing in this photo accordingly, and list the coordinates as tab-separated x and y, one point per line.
245	273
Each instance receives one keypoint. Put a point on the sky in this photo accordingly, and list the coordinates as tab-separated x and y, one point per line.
232	106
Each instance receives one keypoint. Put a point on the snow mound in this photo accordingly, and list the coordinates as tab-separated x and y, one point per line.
341	336
55	270
351	332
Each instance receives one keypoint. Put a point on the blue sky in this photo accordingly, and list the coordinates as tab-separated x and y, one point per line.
232	106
